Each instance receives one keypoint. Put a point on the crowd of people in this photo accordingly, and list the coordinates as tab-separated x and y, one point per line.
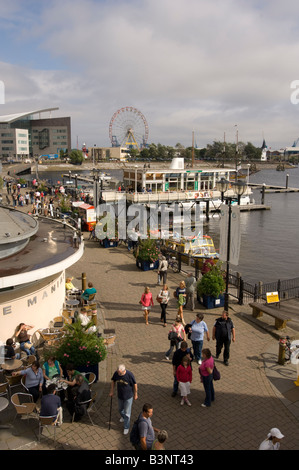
185	358
40	384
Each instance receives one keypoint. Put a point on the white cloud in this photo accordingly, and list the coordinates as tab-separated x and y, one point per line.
185	64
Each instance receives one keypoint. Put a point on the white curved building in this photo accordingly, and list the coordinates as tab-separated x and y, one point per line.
32	270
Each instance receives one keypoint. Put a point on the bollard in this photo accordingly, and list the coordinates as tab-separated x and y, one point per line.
94	317
83	281
281	352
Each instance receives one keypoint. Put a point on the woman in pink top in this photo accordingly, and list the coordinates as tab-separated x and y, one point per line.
146	302
206	372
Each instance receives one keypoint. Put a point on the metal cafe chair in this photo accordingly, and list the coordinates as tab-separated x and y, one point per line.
23	403
46	422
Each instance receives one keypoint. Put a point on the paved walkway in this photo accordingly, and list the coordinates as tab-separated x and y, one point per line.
254	394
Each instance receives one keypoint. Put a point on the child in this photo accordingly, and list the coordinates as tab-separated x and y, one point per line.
146	302
184	377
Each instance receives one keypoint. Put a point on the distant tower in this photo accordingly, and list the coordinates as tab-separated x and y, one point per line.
264	152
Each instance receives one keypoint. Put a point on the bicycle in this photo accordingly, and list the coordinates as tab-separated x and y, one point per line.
173	263
288	348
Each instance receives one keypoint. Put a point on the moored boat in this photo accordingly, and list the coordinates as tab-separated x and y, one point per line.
200	247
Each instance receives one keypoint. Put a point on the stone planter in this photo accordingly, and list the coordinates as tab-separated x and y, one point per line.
209	301
146	265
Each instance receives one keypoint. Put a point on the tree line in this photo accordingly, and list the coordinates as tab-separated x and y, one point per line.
216	151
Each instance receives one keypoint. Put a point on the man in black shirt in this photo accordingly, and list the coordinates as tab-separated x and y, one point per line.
224	333
51	404
177	360
10	350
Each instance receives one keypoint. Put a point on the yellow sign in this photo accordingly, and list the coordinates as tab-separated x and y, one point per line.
272	297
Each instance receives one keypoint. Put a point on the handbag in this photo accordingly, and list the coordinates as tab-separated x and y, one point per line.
216	373
159	299
28	345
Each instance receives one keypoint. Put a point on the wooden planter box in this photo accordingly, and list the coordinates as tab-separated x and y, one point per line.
146	265
211	302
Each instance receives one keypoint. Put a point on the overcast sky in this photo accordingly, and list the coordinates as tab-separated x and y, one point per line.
201	66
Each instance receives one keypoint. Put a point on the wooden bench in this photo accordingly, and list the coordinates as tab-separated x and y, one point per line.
281	317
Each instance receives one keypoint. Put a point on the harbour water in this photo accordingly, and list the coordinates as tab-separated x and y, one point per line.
269	238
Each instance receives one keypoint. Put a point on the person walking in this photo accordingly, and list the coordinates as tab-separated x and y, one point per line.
146	430
180	294
206	373
163	298
224	333
273	440
184	378
190	283
179	331
126	392
162	270
147	302
198	329
176	361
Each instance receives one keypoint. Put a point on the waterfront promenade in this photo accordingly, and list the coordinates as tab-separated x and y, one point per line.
253	395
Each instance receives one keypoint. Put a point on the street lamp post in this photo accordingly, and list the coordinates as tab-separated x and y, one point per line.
239	188
136	178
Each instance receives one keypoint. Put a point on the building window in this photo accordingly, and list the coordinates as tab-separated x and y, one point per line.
43	139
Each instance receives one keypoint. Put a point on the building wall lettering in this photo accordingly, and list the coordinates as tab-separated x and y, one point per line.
31	301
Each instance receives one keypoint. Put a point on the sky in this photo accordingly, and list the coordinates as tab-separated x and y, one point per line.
209	69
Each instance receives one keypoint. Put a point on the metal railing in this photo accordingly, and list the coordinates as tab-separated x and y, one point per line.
244	292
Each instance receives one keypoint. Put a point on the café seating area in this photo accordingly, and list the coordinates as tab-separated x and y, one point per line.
15	396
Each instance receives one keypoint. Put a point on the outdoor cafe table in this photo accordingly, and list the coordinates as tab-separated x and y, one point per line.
4	404
11	364
59	385
72	302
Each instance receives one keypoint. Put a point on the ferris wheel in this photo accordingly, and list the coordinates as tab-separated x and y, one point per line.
128	128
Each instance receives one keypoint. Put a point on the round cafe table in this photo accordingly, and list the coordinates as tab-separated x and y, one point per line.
11	364
72	302
4	404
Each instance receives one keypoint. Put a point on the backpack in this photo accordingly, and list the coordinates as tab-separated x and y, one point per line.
187	328
134	434
173	336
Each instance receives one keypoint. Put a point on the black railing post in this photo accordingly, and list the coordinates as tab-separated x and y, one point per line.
255	295
241	291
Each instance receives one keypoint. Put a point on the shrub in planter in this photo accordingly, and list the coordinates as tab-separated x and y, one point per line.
78	347
148	251
211	284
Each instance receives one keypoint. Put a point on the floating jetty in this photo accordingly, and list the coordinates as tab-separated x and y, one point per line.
270	188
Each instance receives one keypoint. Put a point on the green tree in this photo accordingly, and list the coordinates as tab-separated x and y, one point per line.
251	152
76	157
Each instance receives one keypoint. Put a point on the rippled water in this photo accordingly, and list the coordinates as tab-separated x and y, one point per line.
269	238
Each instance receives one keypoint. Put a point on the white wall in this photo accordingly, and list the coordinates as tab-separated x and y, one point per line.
37	308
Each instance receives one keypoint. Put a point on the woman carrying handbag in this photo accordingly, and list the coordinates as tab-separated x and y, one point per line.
163	299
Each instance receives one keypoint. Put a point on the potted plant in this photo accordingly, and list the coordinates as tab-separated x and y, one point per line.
110	228
84	350
210	288
147	255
